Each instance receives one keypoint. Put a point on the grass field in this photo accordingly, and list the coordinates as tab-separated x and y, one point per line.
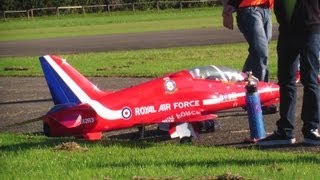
38	157
109	23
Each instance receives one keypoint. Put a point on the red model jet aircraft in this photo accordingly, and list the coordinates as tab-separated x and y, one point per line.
180	99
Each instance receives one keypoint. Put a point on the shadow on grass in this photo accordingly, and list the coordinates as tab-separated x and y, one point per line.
37	140
295	148
274	163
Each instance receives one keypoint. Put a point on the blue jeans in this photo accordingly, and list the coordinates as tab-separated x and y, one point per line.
255	23
290	46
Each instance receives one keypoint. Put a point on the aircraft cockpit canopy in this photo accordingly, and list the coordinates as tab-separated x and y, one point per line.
218	73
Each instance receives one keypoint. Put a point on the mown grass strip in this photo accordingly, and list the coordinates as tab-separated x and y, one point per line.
142	63
109	23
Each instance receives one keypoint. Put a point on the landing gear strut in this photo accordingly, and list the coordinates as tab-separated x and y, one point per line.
142	130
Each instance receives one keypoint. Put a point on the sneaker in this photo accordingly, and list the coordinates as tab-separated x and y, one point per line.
272	109
276	139
312	137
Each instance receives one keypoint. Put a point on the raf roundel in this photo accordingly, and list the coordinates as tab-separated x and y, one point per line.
126	113
170	85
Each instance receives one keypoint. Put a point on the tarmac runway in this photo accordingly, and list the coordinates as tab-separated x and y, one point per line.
132	41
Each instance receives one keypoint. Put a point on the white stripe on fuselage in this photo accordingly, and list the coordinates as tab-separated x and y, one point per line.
101	110
220	99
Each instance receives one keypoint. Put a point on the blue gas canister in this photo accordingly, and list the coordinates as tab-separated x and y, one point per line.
253	104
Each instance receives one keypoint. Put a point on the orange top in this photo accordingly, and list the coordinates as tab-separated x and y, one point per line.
246	3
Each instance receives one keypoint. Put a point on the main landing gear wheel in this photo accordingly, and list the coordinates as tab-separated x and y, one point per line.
186	140
207	126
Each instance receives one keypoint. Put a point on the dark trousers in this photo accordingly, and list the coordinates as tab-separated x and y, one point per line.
290	46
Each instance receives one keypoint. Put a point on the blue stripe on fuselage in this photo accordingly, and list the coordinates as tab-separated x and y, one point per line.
60	91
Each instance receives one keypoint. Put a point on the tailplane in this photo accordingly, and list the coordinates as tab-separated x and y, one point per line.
67	85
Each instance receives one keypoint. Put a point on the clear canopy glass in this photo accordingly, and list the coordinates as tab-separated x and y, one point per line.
218	73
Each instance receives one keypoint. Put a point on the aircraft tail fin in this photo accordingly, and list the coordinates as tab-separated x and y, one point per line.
66	84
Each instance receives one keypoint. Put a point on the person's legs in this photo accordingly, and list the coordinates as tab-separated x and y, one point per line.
309	76
288	51
268	30
255	24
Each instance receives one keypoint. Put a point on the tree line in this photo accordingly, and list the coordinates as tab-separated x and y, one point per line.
7	5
